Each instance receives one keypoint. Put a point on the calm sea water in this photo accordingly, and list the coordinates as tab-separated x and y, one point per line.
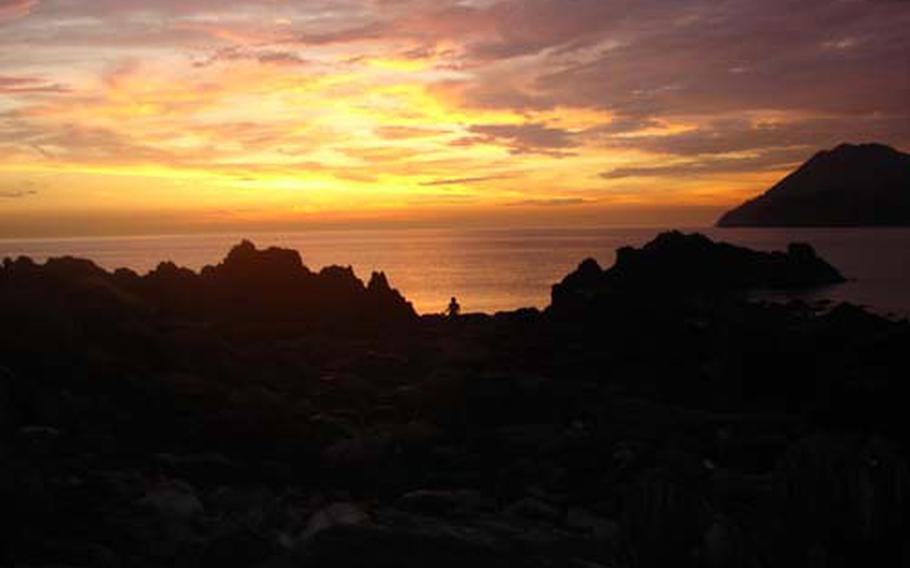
500	269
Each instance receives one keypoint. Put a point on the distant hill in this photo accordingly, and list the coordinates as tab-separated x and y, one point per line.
851	185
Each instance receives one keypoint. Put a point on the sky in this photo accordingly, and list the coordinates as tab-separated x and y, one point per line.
169	116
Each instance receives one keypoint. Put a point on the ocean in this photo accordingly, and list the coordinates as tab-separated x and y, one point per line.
489	270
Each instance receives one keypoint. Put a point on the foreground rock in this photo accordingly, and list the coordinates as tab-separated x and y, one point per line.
262	415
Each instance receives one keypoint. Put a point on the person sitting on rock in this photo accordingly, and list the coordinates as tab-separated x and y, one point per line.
454	308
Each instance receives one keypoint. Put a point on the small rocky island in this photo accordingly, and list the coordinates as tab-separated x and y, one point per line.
679	265
849	186
260	414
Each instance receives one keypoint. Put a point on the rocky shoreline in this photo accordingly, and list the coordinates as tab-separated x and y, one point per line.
258	414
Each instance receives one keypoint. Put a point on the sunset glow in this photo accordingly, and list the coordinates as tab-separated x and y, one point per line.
156	116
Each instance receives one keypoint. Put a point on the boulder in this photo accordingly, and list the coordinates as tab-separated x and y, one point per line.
532	438
592	525
441	502
332	516
535	510
205	468
236	549
173	498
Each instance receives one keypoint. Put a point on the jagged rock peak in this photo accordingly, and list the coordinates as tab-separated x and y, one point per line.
246	253
379	282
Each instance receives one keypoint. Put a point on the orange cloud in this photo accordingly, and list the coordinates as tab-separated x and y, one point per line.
366	108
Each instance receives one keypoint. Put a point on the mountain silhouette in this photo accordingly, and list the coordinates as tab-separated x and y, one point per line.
851	185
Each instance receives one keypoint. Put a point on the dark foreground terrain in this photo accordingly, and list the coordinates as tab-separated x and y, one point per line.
258	414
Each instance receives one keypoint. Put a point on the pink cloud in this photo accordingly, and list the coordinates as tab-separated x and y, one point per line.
26	85
15	9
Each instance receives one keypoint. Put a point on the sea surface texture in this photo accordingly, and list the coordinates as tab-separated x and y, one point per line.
489	270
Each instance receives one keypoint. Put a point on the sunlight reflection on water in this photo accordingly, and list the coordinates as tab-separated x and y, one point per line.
498	269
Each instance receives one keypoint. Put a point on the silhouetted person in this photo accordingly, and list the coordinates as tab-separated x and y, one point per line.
454	308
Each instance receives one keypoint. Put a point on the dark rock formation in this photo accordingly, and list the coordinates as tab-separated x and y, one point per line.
262	415
249	286
851	185
675	264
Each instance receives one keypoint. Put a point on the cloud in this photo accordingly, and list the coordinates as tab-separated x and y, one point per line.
264	56
442	198
530	138
528	27
29	85
408	132
78	143
748	146
17	194
707	165
725	136
372	31
15	9
550	202
724	56
369	102
464	180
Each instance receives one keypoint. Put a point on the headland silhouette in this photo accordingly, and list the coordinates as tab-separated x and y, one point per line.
852	185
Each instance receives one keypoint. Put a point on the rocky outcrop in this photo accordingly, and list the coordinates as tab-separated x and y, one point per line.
676	264
249	286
